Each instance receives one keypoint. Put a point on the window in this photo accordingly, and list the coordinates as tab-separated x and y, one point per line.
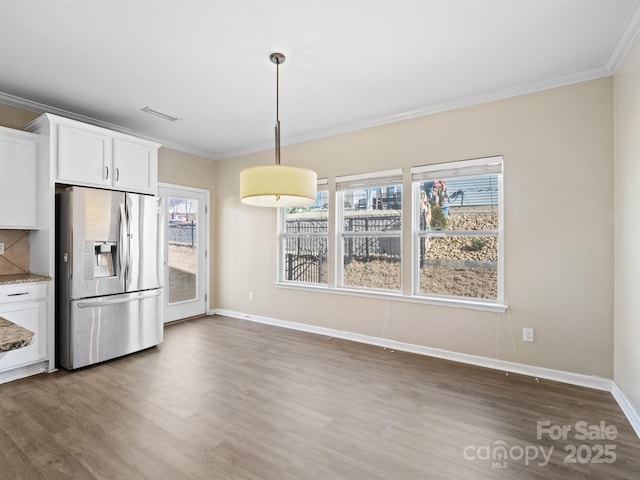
369	229
356	246
458	229
303	241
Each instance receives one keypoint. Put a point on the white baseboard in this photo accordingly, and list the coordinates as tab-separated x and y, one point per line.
23	372
597	383
594	382
630	412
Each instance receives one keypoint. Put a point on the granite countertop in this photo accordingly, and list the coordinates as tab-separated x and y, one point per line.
13	336
23	278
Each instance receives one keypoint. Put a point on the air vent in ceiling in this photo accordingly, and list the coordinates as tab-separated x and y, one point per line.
151	111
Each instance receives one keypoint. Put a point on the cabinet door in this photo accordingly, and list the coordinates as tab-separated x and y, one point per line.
18	180
32	316
135	166
84	157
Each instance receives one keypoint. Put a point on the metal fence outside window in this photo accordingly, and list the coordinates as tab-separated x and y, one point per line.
183	232
306	256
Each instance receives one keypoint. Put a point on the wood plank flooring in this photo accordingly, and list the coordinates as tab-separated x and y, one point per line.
224	398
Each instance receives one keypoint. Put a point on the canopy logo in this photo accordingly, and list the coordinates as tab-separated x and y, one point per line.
500	453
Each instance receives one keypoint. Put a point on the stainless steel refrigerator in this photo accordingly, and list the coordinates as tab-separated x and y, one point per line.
109	274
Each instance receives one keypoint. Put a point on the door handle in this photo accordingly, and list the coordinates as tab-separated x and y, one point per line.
124	243
106	167
115	301
117	174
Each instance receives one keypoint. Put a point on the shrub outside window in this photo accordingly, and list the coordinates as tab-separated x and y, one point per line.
458	230
369	224
303	241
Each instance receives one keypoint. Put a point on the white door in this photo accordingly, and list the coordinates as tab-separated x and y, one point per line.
186	243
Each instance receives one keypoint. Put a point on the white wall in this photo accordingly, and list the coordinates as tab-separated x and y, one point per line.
558	164
627	221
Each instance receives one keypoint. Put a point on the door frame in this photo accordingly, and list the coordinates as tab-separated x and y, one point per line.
207	240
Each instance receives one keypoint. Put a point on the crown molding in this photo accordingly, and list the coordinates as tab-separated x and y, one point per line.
568	78
626	37
36	107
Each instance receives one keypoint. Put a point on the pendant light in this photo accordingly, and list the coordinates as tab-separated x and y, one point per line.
278	185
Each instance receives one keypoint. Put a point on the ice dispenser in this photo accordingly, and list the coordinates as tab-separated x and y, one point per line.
100	259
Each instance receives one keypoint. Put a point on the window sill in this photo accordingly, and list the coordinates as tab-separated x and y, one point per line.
425	300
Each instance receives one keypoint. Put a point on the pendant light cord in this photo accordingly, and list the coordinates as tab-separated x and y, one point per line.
277	112
277	91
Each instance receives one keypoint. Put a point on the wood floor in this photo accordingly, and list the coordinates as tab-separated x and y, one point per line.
229	399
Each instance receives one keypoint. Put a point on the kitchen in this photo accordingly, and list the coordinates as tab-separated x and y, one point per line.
110	429
27	265
97	161
225	396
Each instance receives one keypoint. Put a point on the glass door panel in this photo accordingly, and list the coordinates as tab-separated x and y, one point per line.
186	276
182	251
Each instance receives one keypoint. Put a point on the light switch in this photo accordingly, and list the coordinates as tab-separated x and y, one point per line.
1	248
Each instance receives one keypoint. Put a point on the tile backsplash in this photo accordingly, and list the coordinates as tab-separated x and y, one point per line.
16	252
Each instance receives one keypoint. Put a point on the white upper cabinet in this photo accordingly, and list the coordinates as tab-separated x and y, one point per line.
135	165
18	179
83	154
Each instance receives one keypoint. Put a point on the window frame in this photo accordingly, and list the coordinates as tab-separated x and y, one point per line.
408	235
347	183
283	235
449	170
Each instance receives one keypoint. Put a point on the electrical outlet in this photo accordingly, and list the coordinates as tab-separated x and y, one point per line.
527	334
251	296
1	248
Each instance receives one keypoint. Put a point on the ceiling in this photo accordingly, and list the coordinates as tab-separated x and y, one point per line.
350	63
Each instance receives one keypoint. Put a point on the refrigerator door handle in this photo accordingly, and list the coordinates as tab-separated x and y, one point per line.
112	301
124	243
68	257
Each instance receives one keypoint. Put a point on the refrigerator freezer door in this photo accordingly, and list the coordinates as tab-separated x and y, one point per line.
108	327
145	252
90	224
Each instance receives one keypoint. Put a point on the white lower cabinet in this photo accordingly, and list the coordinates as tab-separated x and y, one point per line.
25	305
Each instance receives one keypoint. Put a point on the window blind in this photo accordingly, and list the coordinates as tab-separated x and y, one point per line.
368	180
480	166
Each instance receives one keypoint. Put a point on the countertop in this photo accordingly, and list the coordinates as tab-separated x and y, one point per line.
23	278
13	336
